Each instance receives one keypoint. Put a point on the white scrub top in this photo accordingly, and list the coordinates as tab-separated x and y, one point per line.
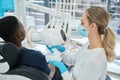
88	64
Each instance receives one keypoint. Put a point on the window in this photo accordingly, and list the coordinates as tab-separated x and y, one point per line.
38	18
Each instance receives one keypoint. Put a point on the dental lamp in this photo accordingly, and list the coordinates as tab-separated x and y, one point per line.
52	38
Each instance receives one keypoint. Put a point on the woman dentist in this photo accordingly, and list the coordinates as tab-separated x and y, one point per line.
90	62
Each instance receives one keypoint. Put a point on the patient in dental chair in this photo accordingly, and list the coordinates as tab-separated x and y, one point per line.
12	30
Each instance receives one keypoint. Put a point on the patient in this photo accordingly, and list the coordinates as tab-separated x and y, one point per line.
12	30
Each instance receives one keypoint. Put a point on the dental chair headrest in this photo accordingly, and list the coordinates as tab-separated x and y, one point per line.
8	56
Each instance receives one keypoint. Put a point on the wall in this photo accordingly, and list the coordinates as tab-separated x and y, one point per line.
6	5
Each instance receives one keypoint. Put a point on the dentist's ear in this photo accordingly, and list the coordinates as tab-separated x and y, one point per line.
93	26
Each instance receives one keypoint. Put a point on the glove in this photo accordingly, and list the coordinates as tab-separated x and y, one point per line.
60	48
60	65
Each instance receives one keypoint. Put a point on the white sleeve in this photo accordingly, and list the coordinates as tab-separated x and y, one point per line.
70	58
89	71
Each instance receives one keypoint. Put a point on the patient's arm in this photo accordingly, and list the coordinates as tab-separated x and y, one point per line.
52	70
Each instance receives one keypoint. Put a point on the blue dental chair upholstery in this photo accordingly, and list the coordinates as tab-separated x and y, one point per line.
8	70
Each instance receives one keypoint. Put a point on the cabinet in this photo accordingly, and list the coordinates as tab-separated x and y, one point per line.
81	5
114	10
38	16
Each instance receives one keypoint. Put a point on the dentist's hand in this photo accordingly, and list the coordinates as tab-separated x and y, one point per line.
60	48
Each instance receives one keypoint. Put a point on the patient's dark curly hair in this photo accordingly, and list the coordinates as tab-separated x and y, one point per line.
8	26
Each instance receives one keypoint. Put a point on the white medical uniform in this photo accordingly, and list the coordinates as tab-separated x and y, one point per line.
88	64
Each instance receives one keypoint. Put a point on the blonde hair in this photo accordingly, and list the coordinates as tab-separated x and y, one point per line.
101	18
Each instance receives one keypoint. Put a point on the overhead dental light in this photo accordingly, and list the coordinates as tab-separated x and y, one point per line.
47	36
56	29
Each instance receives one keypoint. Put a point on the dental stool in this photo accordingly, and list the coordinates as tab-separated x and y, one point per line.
8	70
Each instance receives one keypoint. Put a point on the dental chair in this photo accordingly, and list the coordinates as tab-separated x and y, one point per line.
8	70
108	77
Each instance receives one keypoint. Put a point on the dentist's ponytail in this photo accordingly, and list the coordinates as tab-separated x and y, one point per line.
109	44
